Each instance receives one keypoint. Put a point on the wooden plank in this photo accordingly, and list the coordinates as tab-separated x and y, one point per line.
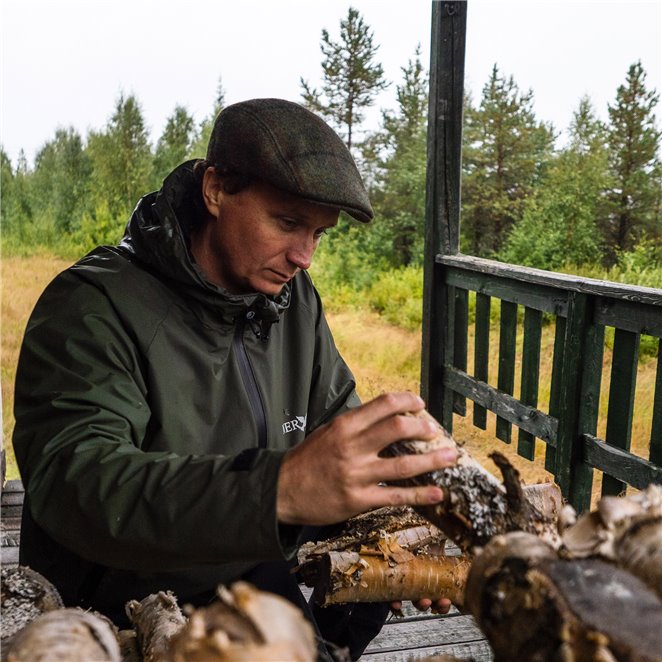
533	420
9	556
526	442
13	486
570	283
476	651
546	299
655	454
442	203
448	396
621	399
569	455
629	316
588	410
506	376
555	388
460	341
621	464
482	352
403	634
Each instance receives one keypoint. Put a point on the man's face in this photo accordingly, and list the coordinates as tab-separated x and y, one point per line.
258	239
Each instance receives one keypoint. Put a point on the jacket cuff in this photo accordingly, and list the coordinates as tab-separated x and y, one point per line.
285	537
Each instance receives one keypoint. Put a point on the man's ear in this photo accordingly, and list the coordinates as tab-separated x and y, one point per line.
212	191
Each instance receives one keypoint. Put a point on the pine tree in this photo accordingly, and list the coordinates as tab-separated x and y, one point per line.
560	220
351	77
174	144
505	150
634	160
122	160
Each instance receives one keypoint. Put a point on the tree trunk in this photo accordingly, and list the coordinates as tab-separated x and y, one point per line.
534	606
25	595
69	635
245	624
157	619
476	505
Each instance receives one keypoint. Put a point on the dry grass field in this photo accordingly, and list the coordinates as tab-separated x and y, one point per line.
383	358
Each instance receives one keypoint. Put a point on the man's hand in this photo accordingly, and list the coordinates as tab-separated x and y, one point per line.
335	473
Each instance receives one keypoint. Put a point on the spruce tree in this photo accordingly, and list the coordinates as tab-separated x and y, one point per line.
198	148
634	160
351	77
174	144
399	196
505	151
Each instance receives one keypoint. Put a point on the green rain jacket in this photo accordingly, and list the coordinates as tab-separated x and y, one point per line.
153	410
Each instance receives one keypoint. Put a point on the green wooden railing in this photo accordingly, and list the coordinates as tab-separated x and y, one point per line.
580	309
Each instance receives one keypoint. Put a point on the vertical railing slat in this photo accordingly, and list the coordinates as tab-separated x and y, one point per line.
655	455
555	386
507	347
621	399
482	352
461	331
526	443
570	465
588	411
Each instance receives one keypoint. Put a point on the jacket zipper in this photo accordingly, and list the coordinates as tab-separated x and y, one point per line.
250	384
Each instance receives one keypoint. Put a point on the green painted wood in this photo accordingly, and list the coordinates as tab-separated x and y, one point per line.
621	399
564	282
543	298
621	464
533	420
442	203
507	347
588	411
482	352
630	316
555	387
526	442
656	428
448	396
569	451
460	340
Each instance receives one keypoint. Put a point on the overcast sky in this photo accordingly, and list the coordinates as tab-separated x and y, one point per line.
65	62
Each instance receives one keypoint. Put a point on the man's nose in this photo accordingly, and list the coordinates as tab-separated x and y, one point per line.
301	252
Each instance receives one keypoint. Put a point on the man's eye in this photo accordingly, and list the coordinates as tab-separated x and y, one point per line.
320	232
288	223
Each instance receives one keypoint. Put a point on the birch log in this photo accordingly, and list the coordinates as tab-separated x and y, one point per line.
66	635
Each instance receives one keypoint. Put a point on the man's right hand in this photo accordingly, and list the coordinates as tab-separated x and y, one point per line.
335	473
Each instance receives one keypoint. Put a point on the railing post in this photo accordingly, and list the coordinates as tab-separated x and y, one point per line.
579	399
442	207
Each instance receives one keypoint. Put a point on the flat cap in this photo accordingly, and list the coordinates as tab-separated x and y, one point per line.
282	143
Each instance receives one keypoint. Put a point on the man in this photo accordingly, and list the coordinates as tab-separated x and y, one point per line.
182	412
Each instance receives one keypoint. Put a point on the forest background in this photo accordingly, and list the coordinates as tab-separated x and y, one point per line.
588	202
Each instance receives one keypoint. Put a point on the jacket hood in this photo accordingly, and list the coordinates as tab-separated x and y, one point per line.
157	234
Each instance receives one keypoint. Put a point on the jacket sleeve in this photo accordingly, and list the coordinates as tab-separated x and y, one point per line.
81	413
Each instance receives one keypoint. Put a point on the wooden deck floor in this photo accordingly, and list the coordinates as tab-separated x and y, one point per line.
419	635
412	637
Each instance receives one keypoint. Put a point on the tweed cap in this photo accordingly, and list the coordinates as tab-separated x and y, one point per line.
284	144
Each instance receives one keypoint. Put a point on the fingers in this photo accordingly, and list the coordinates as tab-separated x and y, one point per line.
402	496
385	406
